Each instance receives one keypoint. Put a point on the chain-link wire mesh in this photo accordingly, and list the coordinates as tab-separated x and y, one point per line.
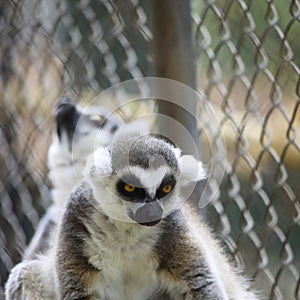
247	63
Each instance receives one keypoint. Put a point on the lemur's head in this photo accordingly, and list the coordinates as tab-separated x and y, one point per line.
83	131
141	179
77	134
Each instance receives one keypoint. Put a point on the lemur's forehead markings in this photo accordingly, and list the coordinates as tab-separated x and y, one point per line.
149	178
131	178
152	153
145	152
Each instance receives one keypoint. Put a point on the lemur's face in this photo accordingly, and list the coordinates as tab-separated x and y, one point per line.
82	132
77	134
140	180
149	194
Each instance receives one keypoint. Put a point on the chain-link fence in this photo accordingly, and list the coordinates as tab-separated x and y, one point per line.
247	65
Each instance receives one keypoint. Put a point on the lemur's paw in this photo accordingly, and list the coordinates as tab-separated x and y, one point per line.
23	282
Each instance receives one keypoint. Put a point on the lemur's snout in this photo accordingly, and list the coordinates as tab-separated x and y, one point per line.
67	116
149	214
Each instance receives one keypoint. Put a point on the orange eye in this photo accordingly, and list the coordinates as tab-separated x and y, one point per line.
129	188
167	188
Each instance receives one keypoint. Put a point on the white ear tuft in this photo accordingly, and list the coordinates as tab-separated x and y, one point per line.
98	164
192	170
177	152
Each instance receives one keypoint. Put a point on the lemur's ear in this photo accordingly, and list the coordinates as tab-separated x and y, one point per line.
98	164
192	170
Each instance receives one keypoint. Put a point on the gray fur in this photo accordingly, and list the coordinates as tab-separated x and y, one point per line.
181	257
41	240
144	151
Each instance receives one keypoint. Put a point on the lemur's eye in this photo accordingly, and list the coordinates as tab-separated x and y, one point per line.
98	118
167	188
129	188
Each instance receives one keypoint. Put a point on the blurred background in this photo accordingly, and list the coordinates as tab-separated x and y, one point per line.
244	56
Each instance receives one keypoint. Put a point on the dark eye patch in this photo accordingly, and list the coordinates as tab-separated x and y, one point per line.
168	180
114	128
139	193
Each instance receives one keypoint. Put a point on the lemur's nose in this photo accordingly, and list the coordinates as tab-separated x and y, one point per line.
149	214
65	109
67	116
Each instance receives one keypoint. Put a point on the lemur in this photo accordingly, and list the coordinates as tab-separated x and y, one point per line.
77	134
127	233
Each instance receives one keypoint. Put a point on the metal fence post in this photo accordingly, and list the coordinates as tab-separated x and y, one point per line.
174	59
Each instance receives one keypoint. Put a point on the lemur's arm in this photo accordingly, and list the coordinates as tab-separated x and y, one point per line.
74	273
183	264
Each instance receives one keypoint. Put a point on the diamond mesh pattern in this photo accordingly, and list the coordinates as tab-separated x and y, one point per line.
248	67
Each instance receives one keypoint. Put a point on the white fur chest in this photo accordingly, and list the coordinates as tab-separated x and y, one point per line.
123	253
